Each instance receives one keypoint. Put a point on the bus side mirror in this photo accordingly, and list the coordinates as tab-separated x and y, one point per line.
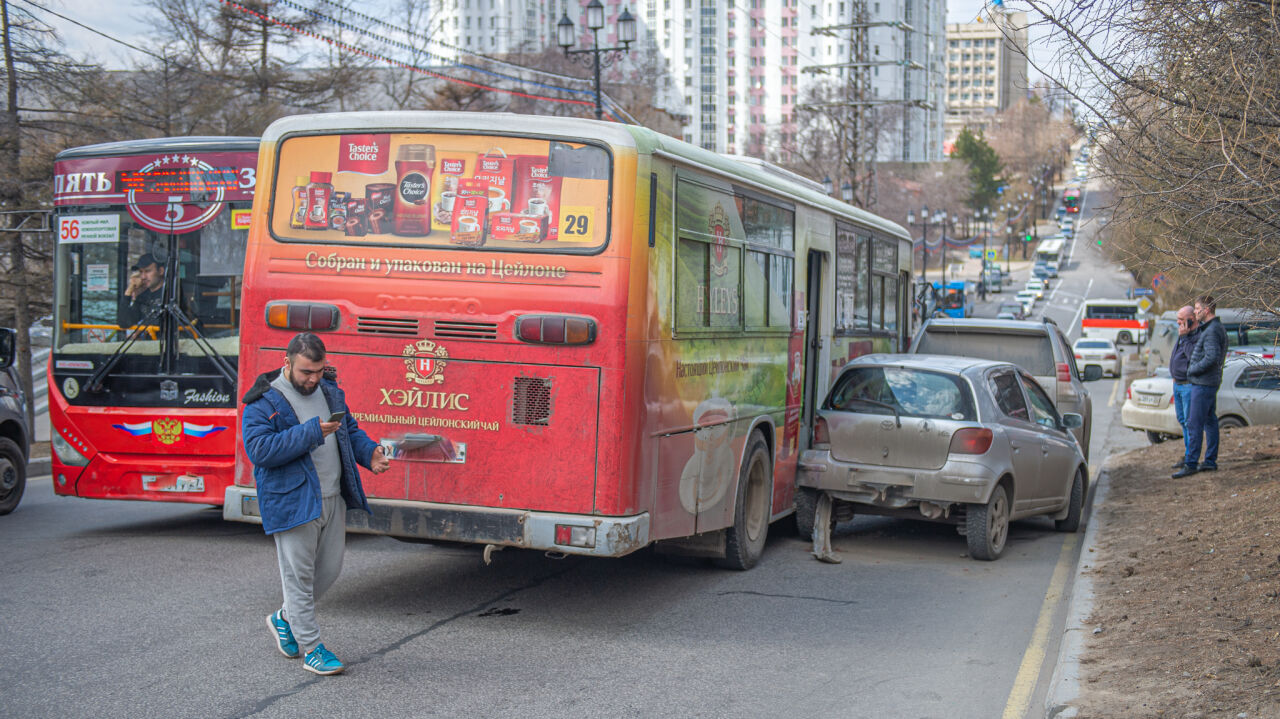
8	347
1092	373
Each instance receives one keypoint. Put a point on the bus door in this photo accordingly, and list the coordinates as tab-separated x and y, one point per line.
813	343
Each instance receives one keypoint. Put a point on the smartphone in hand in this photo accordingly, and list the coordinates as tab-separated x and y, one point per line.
336	417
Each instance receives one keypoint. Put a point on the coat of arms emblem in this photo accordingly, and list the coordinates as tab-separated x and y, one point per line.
425	361
718	223
167	430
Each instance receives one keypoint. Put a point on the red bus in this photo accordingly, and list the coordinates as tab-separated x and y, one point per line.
1071	199
1121	321
142	375
573	336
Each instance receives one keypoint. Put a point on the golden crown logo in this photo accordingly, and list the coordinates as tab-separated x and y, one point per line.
167	430
425	363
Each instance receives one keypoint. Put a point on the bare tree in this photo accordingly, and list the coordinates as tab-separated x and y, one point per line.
1188	110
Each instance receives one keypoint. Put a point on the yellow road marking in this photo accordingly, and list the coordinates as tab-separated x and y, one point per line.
1115	390
1024	684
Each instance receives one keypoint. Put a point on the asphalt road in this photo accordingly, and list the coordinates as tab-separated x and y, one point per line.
133	609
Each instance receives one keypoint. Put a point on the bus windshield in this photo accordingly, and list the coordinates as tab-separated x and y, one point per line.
107	288
442	191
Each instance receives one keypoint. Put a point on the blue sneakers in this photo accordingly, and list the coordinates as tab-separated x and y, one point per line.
285	642
322	661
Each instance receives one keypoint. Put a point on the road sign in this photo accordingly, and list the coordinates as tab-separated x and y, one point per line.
1145	304
1157	280
993	254
1143	292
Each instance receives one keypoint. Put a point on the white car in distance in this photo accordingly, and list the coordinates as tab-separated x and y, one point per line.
1036	286
1028	299
1100	352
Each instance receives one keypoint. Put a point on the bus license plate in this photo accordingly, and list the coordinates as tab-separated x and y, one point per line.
173	483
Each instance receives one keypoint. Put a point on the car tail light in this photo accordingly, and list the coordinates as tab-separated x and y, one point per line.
971	440
555	330
311	316
1064	372
1079	356
1128	392
821	436
1171	399
1109	357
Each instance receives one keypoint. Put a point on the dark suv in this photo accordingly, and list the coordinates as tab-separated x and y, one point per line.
1038	346
15	435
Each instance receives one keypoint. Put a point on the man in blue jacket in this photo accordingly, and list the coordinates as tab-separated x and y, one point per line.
1204	371
1179	360
304	447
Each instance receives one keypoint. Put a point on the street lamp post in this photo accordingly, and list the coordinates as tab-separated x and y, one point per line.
596	56
925	219
982	274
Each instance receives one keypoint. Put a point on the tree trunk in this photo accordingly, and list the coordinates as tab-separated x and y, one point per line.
10	196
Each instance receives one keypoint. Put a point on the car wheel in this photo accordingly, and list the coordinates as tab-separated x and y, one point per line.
1230	422
1124	338
1075	506
806	503
13	475
1155	437
987	526
744	541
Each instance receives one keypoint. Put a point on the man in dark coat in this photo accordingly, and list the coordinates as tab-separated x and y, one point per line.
1204	371
1179	360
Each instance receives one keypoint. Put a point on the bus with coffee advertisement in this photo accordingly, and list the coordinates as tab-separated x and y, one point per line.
568	335
150	248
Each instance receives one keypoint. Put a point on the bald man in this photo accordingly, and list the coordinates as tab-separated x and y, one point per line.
1179	360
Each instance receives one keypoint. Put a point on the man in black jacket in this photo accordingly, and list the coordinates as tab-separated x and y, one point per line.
1205	374
1179	360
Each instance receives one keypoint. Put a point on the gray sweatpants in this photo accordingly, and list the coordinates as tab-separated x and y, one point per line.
310	558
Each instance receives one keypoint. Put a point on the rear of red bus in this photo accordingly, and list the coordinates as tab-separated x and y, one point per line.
469	279
142	373
1071	199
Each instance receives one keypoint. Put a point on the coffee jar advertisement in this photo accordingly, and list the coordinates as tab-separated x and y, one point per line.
442	190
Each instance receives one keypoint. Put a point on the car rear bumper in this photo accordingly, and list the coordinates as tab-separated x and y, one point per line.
1151	419
957	481
614	536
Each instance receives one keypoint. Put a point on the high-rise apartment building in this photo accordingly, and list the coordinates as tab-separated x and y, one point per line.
986	68
734	70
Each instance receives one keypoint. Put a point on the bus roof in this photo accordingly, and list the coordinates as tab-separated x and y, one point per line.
1118	302
644	140
161	144
1050	246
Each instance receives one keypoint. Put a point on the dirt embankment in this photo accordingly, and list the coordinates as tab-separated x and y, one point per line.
1186	618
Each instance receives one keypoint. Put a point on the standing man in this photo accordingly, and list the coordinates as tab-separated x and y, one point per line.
1179	359
1205	374
304	447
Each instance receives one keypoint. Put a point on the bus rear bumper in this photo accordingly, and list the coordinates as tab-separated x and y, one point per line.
606	536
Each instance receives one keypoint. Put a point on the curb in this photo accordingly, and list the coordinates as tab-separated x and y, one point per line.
39	467
1064	684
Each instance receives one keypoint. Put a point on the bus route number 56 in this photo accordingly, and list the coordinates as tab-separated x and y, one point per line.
89	228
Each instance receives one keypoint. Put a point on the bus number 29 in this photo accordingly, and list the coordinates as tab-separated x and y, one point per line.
576	225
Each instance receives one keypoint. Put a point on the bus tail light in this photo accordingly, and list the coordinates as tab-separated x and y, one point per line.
555	330
971	440
821	435
310	316
570	535
1064	372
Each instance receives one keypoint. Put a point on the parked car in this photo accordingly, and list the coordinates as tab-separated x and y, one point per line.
956	439
1028	300
994	280
1101	352
1039	347
41	332
1036	286
1013	309
15	434
1245	328
1250	394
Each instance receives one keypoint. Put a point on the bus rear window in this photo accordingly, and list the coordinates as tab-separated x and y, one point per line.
443	191
1111	312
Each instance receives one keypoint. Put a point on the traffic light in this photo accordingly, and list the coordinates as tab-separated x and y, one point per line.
1027	238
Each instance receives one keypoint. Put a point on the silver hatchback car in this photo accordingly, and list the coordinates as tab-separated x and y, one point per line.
944	438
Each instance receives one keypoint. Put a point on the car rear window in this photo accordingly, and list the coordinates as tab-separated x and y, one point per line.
1030	352
1092	344
913	392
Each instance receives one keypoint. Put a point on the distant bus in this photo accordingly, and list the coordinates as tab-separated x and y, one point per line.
1071	199
1049	252
1120	321
952	299
142	388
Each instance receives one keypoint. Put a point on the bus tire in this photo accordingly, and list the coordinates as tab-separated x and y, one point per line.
13	475
1124	338
744	541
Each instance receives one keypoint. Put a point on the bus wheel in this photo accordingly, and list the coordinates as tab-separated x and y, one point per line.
1124	338
13	475
744	541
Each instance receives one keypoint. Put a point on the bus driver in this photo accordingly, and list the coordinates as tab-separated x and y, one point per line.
145	290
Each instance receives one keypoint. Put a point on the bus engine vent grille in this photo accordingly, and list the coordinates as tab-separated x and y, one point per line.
531	401
395	326
466	330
